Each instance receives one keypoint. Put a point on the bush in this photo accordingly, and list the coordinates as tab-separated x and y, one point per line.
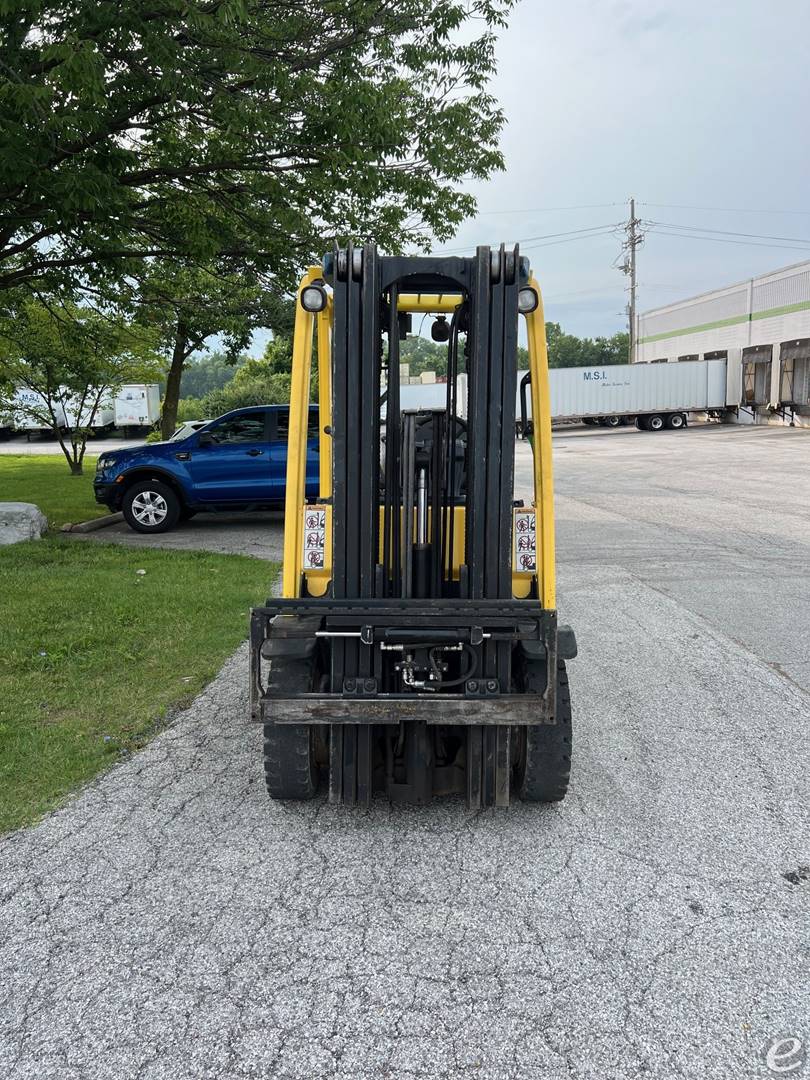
270	390
191	408
154	436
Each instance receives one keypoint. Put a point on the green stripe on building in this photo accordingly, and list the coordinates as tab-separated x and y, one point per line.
734	320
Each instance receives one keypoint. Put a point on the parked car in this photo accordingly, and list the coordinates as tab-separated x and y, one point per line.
187	428
236	462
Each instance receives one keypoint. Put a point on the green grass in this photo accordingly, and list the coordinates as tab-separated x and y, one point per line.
44	479
96	655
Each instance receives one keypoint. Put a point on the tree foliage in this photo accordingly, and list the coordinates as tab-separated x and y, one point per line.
564	350
422	354
207	371
187	305
567	350
278	354
71	360
240	132
256	382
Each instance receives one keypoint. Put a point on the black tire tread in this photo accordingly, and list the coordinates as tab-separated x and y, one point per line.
548	746
290	770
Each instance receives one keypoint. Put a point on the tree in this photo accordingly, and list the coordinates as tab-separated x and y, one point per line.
278	354
210	130
207	371
567	350
71	359
255	383
187	305
423	355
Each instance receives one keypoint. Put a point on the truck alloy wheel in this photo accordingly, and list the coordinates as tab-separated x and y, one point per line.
151	507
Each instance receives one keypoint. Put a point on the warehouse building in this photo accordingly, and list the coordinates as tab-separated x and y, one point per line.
762	325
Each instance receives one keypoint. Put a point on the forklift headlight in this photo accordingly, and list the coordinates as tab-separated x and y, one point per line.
313	298
527	301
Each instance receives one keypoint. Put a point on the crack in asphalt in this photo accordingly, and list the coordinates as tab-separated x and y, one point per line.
171	921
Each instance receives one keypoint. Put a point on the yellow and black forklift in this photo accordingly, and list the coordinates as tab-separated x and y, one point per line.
415	649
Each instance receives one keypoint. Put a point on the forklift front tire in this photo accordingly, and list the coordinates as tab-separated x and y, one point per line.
290	768
544	767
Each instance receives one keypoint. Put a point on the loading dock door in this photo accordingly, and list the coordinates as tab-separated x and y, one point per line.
795	373
757	375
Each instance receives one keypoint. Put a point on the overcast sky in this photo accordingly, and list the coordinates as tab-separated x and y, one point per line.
703	104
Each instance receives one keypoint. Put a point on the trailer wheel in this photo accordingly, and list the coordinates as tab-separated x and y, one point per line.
544	762
676	421
656	422
290	768
614	421
641	423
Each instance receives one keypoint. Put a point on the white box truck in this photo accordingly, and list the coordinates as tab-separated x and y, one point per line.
137	405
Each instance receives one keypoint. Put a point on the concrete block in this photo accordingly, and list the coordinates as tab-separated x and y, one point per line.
427	378
21	521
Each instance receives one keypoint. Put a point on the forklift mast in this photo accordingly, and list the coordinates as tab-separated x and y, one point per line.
415	648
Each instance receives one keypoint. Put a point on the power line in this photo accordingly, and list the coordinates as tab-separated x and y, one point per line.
571	234
570	240
724	240
550	209
725	232
724	209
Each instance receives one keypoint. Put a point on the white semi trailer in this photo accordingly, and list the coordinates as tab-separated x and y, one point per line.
78	416
652	396
31	413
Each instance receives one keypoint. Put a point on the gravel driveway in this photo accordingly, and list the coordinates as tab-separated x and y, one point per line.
172	922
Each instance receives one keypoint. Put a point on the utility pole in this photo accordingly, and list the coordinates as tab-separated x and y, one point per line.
634	238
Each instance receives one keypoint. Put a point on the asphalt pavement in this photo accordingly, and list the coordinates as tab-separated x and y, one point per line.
45	444
260	534
172	922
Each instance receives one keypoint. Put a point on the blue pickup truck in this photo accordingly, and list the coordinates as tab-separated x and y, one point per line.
236	462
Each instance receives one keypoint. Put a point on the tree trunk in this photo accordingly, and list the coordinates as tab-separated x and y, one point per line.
168	420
